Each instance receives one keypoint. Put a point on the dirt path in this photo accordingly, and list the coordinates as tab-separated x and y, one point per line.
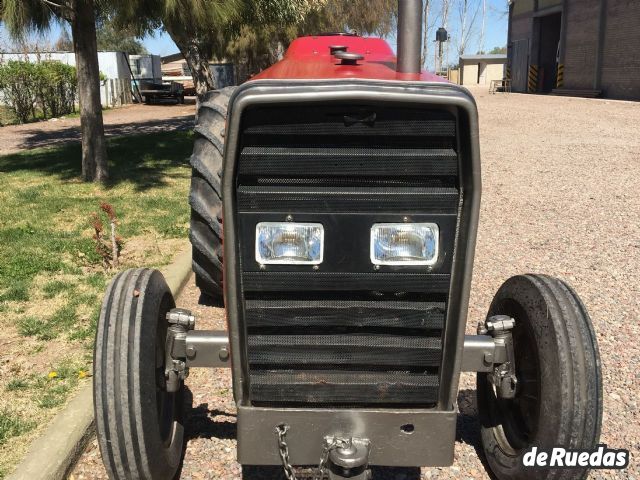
132	119
560	197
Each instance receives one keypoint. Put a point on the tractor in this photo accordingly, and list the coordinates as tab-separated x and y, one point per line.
349	184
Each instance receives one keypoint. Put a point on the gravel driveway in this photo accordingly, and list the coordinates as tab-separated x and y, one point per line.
560	179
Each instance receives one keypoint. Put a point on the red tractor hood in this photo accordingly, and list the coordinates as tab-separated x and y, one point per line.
310	58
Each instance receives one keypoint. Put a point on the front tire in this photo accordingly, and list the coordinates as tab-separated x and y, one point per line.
138	423
559	395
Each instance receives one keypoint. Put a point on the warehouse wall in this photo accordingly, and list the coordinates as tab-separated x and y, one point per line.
582	44
620	76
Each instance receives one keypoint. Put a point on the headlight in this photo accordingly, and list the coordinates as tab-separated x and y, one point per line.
289	243
404	243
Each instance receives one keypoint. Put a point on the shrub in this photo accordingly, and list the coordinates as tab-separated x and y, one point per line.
47	88
17	84
58	88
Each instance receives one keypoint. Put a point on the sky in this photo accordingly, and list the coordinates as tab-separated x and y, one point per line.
495	36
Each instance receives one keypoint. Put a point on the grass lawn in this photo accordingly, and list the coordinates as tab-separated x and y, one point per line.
52	278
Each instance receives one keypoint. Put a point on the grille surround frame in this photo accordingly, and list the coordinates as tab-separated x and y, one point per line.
267	92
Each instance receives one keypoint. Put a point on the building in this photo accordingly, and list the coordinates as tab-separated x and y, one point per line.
579	47
146	67
175	68
481	69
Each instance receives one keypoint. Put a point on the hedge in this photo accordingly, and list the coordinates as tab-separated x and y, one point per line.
38	90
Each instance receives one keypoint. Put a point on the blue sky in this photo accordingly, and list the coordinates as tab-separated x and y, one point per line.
495	36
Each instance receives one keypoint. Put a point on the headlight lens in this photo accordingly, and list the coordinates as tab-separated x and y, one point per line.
289	243
404	243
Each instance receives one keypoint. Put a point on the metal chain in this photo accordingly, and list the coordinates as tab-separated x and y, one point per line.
283	450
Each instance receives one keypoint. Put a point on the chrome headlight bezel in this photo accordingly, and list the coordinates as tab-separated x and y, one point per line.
427	227
307	230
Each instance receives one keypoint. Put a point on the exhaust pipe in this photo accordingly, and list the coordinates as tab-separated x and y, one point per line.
409	36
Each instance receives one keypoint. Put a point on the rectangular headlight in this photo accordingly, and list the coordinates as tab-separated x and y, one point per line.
289	243
404	243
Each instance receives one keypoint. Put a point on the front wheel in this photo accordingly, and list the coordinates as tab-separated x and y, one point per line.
558	398
139	424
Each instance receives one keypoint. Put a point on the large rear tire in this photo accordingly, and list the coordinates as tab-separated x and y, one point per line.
205	197
559	392
139	424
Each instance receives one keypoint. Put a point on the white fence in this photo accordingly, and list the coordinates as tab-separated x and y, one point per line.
115	92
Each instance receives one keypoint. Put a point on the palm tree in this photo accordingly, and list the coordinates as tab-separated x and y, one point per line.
24	16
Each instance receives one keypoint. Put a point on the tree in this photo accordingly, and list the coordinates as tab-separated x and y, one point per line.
497	50
251	31
260	43
193	25
112	39
482	28
468	14
362	16
24	16
64	43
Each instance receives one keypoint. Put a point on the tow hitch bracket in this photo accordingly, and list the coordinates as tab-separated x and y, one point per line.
503	374
186	347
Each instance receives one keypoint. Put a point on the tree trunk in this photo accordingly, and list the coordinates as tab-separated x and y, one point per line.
196	58
94	151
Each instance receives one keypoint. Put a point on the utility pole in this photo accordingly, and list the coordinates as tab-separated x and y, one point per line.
425	32
440	59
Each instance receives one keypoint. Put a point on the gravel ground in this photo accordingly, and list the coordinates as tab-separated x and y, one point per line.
560	197
128	120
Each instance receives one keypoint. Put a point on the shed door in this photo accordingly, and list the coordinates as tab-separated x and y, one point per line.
520	65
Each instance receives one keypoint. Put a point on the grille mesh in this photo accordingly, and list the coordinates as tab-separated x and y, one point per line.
344	314
330	338
298	161
330	387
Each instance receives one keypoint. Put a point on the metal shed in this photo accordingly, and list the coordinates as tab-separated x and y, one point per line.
481	69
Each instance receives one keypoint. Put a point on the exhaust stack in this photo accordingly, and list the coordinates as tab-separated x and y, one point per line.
409	36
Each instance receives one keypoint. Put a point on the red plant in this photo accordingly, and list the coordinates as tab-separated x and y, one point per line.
108	248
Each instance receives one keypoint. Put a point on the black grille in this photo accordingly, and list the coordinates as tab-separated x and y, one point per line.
346	334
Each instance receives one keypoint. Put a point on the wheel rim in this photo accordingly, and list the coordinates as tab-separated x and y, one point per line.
519	417
167	404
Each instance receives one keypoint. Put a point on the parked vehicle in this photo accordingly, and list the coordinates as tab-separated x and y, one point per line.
152	92
351	193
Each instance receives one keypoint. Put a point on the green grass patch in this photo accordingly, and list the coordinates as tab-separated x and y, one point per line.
33	327
51	277
55	287
45	211
17	384
12	425
52	390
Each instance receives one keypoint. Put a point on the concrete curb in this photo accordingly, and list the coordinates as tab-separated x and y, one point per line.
52	455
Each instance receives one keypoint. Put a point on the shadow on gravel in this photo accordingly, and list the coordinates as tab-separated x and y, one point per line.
468	425
203	422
